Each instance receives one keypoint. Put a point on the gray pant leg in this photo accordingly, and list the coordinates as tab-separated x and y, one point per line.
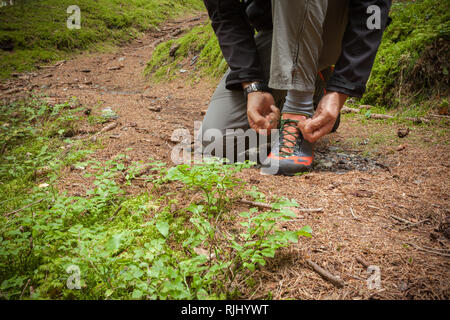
228	110
297	43
307	38
333	31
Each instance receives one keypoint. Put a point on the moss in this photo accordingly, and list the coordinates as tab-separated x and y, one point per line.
412	62
199	48
33	32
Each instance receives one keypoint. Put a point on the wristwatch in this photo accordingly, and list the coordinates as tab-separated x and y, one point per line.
256	86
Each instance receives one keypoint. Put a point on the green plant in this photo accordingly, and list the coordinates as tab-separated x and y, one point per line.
215	179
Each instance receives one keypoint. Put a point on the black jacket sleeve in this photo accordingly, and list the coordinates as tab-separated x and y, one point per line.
359	48
236	40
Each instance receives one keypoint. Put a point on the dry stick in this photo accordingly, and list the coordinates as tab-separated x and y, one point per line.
115	213
363	262
414	224
439	116
25	207
338	282
401	219
269	206
378	116
24	288
437	249
354	216
429	251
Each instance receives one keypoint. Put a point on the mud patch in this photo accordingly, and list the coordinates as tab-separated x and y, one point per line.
334	159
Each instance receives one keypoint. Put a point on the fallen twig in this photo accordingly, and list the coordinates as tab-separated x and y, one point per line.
338	282
115	213
269	206
24	288
349	110
107	128
429	251
414	224
439	116
377	116
353	214
363	262
25	207
401	219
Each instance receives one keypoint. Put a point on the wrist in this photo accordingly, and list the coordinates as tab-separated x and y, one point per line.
246	84
256	86
339	97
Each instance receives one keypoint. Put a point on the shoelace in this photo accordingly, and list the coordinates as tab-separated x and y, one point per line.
285	136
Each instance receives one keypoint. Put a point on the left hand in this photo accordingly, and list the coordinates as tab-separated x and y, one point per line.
325	117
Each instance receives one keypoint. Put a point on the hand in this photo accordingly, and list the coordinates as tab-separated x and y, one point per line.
262	113
325	117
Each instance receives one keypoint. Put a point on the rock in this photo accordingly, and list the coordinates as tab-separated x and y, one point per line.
155	108
109	114
173	49
326	164
362	193
204	252
402	132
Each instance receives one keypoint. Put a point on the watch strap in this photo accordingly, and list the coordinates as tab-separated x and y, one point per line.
255	87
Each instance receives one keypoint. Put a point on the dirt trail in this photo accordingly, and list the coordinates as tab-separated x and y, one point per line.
364	198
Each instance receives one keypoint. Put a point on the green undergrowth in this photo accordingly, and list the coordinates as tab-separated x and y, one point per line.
35	140
412	64
197	52
35	32
180	238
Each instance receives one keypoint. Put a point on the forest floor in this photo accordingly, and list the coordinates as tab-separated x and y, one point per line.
385	199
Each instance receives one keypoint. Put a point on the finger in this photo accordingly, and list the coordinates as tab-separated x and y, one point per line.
302	126
317	134
257	119
276	111
273	121
316	123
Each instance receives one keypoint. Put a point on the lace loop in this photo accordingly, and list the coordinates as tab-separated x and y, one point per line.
284	137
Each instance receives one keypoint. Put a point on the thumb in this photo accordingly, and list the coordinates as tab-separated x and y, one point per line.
275	110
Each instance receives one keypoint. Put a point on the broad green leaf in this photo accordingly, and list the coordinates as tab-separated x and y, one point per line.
113	243
163	228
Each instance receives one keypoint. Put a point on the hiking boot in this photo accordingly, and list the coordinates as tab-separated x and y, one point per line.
291	154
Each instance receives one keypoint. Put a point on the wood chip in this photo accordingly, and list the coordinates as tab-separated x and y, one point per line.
401	147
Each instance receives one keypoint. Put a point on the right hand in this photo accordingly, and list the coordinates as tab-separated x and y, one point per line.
262	113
